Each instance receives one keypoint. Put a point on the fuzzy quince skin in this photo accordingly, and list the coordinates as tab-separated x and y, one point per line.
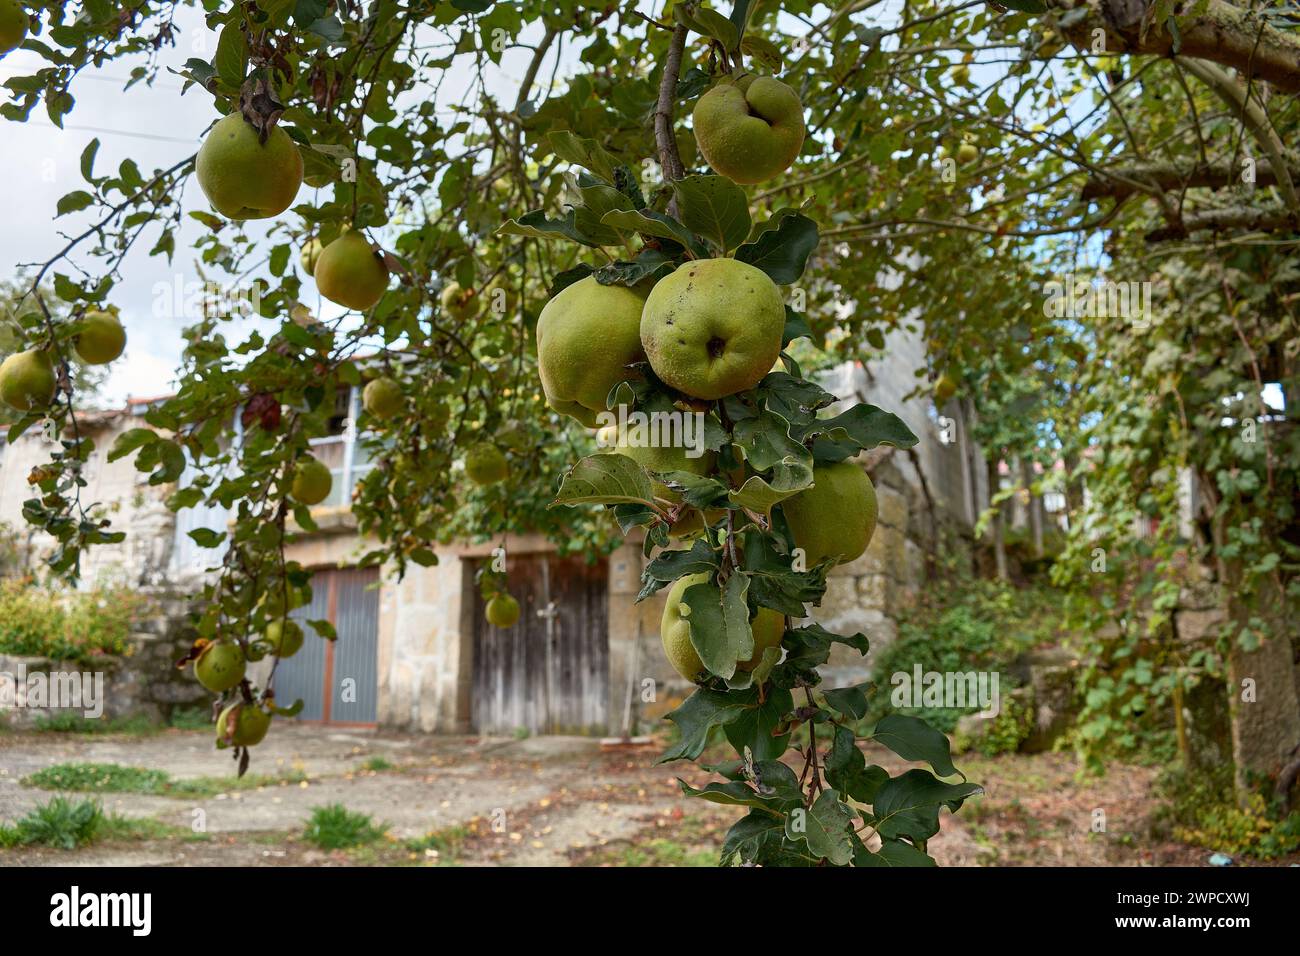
27	380
767	628
749	128
836	517
586	337
244	178
101	339
349	272
713	327
13	25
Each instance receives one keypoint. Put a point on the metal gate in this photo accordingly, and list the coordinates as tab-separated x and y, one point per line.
549	673
337	681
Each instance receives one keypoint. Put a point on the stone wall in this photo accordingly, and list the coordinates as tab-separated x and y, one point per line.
143	682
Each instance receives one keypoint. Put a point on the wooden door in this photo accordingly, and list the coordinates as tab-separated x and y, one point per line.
549	673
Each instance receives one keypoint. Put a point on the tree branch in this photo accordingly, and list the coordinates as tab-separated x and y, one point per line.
1121	181
1250	218
1252	115
669	159
1223	33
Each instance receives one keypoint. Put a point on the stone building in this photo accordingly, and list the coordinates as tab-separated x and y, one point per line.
416	654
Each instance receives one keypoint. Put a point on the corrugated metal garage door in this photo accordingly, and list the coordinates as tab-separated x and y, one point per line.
336	681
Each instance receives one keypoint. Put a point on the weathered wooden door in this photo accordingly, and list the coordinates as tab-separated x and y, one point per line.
549	673
338	682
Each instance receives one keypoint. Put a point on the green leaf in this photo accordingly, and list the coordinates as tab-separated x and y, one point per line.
569	276
753	837
913	739
647	222
766	441
324	629
130	440
605	479
763	52
206	537
702	711
586	153
648	263
782	252
796	327
306	12
715	208
710	23
328	28
73	201
719	623
535	225
825	828
759	495
809	647
862	427
171	463
892	853
753	729
850	701
88	160
847	770
231	59
668	566
908	805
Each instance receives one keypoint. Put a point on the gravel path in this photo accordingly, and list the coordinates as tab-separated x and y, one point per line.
547	801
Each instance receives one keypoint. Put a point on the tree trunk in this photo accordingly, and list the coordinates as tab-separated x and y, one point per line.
1033	506
999	522
1262	693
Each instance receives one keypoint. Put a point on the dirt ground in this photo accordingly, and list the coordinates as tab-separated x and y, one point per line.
547	801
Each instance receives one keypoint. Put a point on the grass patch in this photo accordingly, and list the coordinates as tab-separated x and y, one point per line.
335	827
444	844
61	824
98	778
115	778
376	764
68	824
695	841
211	786
71	722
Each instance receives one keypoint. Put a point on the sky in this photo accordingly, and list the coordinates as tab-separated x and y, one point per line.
155	126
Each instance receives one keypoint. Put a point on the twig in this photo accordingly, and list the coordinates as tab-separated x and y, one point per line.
669	159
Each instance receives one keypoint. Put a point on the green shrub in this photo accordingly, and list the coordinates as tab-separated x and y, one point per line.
1008	730
973	624
335	827
1203	811
66	625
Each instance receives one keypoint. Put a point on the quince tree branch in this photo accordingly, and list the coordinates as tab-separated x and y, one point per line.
669	159
1221	32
